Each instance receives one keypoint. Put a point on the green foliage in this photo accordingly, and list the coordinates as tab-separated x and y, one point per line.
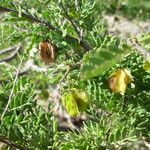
105	56
114	121
129	8
120	119
26	123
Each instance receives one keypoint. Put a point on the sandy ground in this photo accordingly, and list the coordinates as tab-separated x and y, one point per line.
124	28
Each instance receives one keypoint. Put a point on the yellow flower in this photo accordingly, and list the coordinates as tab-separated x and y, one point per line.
146	65
75	101
119	80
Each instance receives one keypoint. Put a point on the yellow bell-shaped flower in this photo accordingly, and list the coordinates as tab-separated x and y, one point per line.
146	65
75	101
119	80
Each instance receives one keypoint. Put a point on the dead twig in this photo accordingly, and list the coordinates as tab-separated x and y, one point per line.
29	65
8	49
12	55
12	90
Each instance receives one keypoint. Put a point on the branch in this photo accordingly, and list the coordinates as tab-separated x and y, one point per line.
12	55
5	140
29	65
8	49
84	44
32	18
69	68
71	21
12	90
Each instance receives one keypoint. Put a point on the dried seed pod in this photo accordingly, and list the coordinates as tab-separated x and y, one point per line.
47	51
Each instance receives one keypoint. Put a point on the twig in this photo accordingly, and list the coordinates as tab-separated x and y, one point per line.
65	75
11	48
12	90
84	44
23	107
32	18
61	113
71	21
140	48
143	139
12	55
29	65
69	68
22	29
25	30
5	140
77	5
